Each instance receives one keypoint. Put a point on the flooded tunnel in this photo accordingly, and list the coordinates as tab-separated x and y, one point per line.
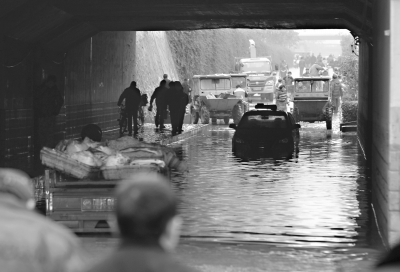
91	48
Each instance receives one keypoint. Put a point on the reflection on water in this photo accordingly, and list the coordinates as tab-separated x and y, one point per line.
318	199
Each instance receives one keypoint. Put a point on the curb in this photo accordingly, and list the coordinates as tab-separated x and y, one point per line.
184	135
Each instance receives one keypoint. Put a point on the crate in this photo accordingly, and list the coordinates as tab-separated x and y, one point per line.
125	171
60	161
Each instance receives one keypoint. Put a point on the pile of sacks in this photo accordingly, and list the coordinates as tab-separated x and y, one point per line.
121	152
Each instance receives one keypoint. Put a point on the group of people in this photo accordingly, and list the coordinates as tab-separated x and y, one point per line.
169	96
146	218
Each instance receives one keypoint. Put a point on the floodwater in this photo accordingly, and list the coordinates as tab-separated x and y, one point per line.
320	198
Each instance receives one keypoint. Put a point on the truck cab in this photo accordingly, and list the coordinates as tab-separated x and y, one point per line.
260	78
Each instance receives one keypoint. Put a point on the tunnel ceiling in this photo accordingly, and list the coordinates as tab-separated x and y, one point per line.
60	24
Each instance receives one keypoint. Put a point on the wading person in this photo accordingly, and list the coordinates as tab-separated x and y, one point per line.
174	101
288	79
132	98
30	242
149	227
239	92
184	100
337	92
159	95
281	98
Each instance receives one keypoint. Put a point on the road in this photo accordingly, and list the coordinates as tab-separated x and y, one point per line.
311	213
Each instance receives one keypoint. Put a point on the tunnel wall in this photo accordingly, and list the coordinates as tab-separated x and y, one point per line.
91	76
96	73
364	118
22	68
384	151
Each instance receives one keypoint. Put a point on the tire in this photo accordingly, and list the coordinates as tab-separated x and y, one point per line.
123	123
329	125
204	115
195	116
226	120
214	121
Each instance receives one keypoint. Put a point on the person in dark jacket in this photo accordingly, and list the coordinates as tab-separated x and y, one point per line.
149	227
175	100
159	95
184	100
132	98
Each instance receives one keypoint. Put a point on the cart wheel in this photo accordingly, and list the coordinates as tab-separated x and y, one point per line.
204	116
329	125
226	120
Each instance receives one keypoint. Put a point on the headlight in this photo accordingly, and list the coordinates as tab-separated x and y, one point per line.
284	141
269	82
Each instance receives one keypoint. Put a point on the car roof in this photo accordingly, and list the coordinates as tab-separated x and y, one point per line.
266	112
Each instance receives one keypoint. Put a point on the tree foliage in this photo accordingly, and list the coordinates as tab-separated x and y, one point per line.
213	51
348	64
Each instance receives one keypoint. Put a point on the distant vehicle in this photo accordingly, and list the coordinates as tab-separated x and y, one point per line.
260	78
312	101
265	132
212	98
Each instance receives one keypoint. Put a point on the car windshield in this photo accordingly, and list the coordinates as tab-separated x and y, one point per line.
257	66
263	121
239	81
312	86
215	84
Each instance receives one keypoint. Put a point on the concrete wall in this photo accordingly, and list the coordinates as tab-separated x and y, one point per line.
394	116
385	147
96	73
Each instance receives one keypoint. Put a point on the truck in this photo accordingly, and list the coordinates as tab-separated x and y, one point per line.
212	98
312	101
261	78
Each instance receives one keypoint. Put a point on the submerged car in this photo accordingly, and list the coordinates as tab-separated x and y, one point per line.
265	132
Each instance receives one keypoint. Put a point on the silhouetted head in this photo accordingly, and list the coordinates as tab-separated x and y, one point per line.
165	76
133	84
334	76
289	73
238	86
162	83
17	184
92	131
146	211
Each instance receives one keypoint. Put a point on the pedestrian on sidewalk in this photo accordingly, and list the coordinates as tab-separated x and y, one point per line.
149	227
159	95
132	98
337	92
30	242
174	101
184	101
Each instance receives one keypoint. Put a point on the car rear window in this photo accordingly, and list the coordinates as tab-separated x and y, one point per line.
263	121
